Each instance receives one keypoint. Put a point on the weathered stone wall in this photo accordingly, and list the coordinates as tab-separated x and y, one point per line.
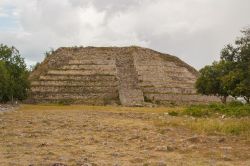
127	75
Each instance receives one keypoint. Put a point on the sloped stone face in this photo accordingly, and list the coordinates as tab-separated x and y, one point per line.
122	75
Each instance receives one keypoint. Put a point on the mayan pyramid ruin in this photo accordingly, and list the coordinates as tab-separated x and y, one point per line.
130	76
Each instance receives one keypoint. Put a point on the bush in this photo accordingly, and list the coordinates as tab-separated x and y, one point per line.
234	109
197	111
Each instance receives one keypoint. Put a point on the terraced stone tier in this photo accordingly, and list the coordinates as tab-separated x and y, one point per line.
78	95
75	83
180	98
91	62
94	78
73	89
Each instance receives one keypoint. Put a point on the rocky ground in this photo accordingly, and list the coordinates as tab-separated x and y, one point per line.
7	107
58	136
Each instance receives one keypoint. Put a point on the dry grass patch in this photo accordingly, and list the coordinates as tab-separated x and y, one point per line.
99	108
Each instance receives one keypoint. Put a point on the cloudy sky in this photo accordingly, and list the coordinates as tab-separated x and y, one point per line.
193	30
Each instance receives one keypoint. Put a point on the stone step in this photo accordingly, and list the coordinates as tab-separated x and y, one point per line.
87	101
173	74
181	98
159	76
53	77
90	67
57	96
166	84
94	57
75	83
180	90
92	62
82	72
72	89
160	67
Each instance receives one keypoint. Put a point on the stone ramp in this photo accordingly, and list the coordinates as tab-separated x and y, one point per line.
130	93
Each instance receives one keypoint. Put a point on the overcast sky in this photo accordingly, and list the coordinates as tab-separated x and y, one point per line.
193	30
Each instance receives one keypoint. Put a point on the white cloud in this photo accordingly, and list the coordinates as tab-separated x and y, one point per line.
3	13
194	30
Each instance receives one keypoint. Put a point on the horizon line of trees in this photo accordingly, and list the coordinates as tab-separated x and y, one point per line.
231	75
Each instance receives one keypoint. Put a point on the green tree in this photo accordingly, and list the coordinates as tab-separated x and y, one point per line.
231	75
13	75
238	56
210	81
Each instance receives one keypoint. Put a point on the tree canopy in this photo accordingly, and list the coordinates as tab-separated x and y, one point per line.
231	75
14	82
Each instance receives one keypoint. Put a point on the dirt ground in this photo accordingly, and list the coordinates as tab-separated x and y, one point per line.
85	135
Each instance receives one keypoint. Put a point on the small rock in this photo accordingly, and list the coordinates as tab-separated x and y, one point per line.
161	163
43	145
137	160
221	140
134	137
223	116
194	139
86	164
115	154
116	164
59	164
164	148
192	147
226	158
226	148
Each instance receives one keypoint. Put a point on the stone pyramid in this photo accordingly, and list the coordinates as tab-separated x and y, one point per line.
129	76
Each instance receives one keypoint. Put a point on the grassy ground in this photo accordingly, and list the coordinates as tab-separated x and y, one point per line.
77	135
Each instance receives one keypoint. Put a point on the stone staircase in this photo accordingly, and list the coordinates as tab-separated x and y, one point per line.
130	93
